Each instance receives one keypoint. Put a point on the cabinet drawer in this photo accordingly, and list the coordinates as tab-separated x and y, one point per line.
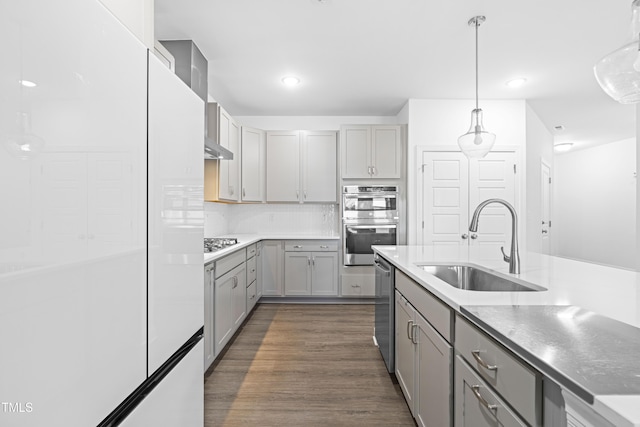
251	270
514	380
251	296
438	313
477	404
358	285
251	250
230	261
311	246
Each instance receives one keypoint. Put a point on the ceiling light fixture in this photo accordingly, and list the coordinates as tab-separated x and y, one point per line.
27	83
290	81
618	73
563	147
516	82
477	142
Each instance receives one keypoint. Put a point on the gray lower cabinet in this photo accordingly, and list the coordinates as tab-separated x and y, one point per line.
423	366
477	404
311	268
209	292
270	269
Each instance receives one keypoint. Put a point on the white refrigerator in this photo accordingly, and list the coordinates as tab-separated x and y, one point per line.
101	226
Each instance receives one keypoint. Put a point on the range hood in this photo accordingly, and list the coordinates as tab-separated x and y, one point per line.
191	66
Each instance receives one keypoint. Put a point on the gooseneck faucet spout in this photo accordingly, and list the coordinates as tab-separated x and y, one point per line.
514	257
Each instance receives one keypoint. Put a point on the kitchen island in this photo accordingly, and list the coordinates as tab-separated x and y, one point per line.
581	331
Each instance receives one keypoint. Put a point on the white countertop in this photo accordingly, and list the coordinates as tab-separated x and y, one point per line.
607	291
245	240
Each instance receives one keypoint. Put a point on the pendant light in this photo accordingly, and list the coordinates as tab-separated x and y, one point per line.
618	73
477	142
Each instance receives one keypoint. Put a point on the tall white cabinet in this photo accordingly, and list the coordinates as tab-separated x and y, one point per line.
252	160
371	151
301	166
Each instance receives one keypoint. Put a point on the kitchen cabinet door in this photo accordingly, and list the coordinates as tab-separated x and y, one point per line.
319	167
239	291
405	349
271	267
297	273
433	370
386	152
283	166
253	165
324	273
209	316
229	170
356	146
224	310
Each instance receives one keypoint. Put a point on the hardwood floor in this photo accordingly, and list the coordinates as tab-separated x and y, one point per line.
304	365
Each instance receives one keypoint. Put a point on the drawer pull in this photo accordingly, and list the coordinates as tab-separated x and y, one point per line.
410	330
476	391
324	247
297	246
476	355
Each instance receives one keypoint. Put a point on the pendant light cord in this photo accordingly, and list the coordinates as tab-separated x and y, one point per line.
477	25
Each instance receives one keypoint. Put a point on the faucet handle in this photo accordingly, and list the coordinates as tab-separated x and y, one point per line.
505	257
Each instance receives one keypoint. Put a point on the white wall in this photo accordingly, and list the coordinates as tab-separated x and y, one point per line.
136	15
539	148
440	122
595	204
274	219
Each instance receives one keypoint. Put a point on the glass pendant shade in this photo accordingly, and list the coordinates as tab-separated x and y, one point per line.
618	73
477	142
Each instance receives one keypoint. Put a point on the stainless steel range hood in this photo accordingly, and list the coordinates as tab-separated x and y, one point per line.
191	66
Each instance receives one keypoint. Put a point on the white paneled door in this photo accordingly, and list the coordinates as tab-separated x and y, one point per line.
451	188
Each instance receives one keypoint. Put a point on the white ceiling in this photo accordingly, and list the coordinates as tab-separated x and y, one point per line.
367	57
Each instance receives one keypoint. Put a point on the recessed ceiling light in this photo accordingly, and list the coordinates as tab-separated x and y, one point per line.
516	82
563	147
290	81
27	83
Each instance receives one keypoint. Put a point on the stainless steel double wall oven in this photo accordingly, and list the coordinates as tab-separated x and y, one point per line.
370	217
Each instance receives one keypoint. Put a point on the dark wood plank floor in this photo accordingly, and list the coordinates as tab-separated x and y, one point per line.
304	365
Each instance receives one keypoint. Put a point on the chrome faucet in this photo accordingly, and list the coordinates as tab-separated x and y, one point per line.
514	257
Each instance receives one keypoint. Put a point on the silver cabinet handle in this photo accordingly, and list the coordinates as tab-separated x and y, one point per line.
297	194
373	168
305	194
244	192
297	246
409	330
465	236
355	286
476	391
313	261
545	231
308	261
474	236
476	355
369	169
324	247
235	282
413	334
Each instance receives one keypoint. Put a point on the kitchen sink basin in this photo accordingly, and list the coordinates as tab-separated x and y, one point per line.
474	279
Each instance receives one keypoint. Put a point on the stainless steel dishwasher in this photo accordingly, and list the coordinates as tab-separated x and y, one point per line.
385	310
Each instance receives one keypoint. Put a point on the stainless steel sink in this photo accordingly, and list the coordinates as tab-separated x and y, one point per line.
474	279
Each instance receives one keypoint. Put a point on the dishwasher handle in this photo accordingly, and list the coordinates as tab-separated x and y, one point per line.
382	269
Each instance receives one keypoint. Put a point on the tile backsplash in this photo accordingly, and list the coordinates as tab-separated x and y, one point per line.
290	219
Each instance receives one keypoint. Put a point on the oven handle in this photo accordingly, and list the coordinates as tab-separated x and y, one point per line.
360	225
382	269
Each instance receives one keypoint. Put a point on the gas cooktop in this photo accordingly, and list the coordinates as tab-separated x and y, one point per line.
217	243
